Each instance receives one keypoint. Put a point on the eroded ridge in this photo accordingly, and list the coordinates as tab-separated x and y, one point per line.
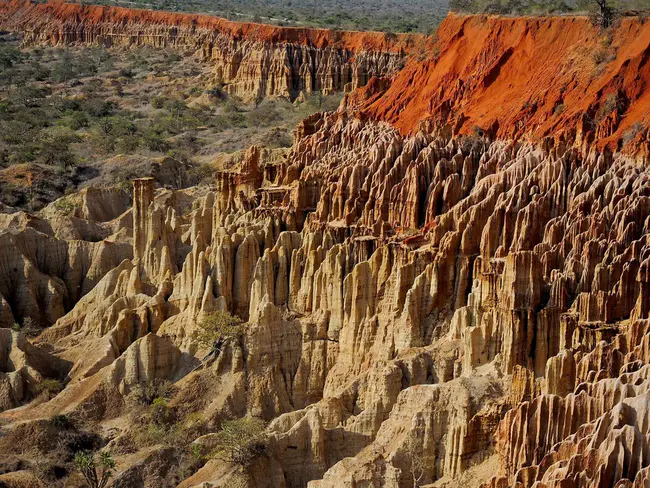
251	61
474	308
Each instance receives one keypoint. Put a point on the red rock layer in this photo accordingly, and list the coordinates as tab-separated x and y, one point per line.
541	76
60	13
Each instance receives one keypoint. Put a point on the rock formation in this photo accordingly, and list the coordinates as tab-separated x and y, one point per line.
250	60
420	306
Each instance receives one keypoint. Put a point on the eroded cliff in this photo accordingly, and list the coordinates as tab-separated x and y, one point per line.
421	307
555	77
250	60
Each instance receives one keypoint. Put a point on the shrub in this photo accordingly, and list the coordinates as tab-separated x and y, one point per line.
200	174
217	92
158	424
64	69
128	143
144	394
277	138
632	132
96	474
49	387
264	115
607	107
599	56
126	73
61	422
65	205
76	120
175	107
160	412
158	102
240	441
155	142
9	56
97	107
217	327
55	147
30	328
28	96
108	130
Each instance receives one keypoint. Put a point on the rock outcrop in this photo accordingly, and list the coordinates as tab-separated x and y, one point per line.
419	308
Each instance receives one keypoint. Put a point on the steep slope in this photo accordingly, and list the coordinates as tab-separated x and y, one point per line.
513	77
421	307
252	60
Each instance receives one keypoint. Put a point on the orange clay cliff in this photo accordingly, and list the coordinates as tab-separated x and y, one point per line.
69	14
540	77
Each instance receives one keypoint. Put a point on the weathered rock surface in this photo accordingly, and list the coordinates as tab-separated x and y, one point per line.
419	309
251	60
551	77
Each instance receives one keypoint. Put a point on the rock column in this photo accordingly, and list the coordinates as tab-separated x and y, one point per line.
142	198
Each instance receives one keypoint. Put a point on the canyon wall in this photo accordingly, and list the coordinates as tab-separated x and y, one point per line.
250	60
421	307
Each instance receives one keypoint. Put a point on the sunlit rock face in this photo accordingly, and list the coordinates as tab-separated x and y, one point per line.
251	61
420	306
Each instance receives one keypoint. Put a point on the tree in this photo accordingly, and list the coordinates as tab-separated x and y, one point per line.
462	5
55	147
418	461
217	330
604	10
240	441
96	476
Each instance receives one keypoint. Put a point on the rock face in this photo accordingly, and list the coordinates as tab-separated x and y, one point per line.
250	60
555	77
419	308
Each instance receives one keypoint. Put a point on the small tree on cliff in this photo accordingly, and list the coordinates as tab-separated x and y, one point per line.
417	459
218	329
605	13
603	10
240	441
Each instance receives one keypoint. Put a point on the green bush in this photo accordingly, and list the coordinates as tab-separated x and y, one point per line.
49	387
144	394
264	115
128	143
219	325
97	473
9	56
240	441
96	107
160	412
76	120
28	96
158	102
65	205
155	142
61	422
55	147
